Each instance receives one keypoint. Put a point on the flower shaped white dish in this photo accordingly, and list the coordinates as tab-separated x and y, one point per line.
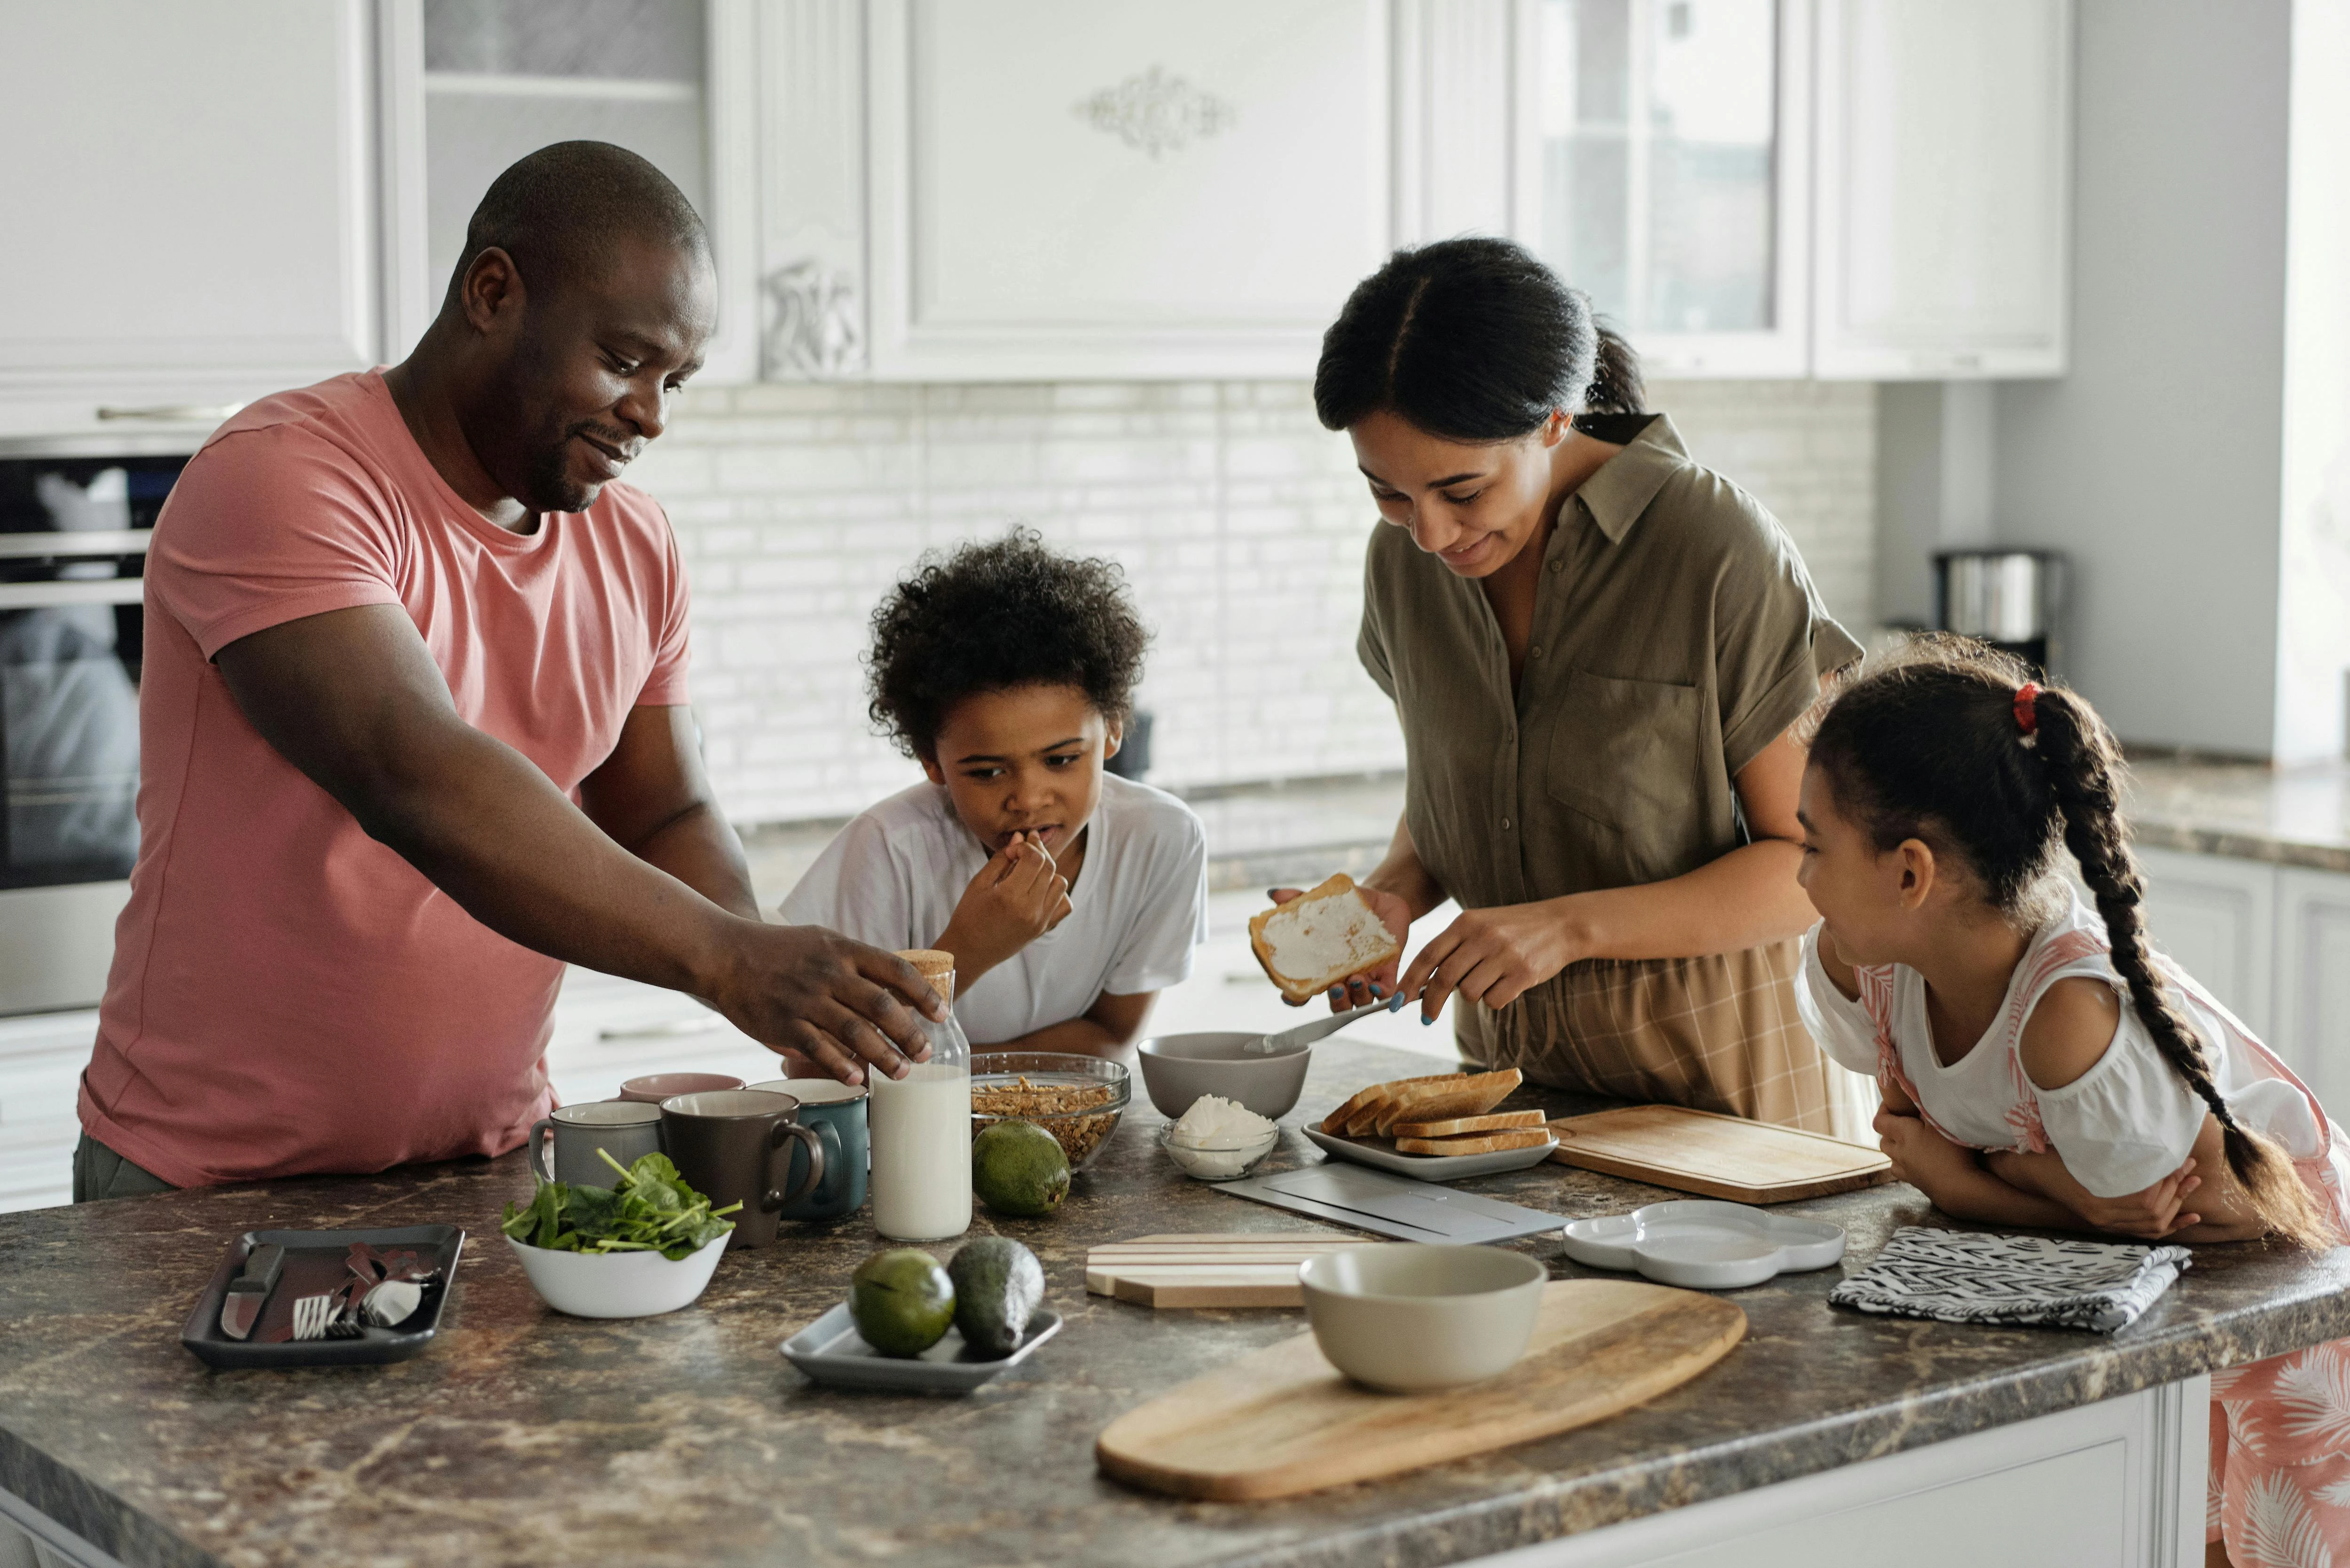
1704	1244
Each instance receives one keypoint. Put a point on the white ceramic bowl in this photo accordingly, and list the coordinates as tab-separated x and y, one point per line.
1406	1318
617	1285
1177	1069
1225	1159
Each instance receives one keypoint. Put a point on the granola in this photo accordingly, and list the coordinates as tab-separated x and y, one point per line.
1055	1108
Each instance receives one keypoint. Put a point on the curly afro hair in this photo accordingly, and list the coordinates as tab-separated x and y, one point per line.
995	615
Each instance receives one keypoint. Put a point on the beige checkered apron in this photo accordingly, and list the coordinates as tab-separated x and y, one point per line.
1715	1033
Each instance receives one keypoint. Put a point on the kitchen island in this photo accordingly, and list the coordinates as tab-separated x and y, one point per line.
522	1436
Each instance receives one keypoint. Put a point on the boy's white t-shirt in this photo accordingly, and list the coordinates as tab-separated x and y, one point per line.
893	877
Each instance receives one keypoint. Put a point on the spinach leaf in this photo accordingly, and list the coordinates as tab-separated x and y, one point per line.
651	1209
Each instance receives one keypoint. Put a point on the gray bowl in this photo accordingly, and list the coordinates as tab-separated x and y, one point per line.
1177	1069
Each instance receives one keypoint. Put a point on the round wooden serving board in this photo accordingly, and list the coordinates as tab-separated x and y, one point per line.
1285	1421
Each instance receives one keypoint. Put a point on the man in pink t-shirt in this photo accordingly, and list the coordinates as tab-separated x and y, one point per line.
414	737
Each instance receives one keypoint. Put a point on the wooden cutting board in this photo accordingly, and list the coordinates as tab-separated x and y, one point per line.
1193	1270
1716	1156
1283	1421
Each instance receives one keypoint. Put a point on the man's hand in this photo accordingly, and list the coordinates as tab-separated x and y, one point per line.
1373	984
1493	956
1017	896
1924	1158
844	1006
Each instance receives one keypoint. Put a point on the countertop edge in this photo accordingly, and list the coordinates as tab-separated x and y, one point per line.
2239	845
103	1519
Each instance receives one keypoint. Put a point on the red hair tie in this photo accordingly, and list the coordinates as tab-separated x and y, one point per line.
2027	717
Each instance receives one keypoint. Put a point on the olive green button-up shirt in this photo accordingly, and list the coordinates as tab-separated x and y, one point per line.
1676	635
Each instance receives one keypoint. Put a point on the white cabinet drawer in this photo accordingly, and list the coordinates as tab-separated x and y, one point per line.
41	1063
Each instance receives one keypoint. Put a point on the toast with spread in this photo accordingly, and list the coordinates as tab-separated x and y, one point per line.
1320	938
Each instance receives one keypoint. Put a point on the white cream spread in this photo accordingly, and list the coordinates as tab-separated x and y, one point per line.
1334	936
1213	1119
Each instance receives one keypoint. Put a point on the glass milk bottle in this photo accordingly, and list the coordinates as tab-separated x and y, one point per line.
921	1128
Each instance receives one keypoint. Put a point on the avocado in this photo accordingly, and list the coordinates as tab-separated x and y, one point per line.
997	1284
1019	1168
902	1300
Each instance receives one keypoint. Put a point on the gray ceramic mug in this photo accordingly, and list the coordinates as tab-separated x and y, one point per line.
563	1144
735	1147
836	1112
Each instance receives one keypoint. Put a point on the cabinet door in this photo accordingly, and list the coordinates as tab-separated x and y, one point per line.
2313	981
1663	166
190	205
1945	158
2216	916
1065	189
41	1062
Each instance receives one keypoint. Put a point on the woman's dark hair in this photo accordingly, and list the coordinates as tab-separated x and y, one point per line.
1930	746
995	616
1473	341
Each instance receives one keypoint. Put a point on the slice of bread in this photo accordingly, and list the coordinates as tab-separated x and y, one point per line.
1365	1116
1499	1121
1479	1143
1368	1098
1318	939
1446	1102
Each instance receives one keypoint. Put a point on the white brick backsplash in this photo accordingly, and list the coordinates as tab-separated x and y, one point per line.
1241	522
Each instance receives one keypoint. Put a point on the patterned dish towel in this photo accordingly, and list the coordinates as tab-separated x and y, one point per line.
1959	1277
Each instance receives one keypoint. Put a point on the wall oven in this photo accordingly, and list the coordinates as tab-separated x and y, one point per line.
73	544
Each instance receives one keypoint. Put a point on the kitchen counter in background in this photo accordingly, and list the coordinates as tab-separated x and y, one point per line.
523	1438
2287	816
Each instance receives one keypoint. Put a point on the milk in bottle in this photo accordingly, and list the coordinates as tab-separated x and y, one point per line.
921	1129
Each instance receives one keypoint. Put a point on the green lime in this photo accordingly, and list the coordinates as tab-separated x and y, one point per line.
1019	1168
902	1300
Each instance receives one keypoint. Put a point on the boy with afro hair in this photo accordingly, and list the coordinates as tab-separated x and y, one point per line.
1068	896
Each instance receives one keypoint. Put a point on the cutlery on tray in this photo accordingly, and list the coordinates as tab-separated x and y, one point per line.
250	1291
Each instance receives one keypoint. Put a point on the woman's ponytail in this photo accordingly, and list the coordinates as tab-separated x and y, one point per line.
2081	766
1616	386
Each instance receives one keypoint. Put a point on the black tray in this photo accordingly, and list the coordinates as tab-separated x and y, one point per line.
314	1263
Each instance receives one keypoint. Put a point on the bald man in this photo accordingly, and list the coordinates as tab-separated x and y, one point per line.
414	735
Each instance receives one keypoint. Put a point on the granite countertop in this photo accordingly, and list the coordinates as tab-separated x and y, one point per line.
2288	816
524	1437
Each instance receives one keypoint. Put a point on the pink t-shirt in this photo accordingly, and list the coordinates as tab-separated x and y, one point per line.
287	994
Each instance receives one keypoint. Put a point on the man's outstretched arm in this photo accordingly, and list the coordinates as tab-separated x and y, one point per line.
353	698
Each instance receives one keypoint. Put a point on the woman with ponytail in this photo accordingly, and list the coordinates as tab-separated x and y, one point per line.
2041	1064
1596	647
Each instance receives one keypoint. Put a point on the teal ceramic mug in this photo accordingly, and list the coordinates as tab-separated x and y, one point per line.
834	1112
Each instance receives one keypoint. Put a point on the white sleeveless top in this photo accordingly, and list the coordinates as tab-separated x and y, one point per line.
2122	1125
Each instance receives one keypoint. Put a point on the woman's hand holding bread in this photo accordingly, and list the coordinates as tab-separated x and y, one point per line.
1379	981
1017	896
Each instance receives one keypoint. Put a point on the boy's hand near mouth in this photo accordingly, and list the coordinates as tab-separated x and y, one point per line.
1017	896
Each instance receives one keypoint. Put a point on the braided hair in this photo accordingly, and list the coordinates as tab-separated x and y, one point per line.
1935	746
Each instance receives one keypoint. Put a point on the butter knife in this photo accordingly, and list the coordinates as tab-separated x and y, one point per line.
249	1292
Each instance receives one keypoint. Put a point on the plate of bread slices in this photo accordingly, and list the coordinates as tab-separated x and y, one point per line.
1438	1128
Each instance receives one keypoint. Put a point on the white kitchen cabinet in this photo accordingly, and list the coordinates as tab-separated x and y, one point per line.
1063	190
1663	166
1943	188
192	210
2218	917
470	86
2313	981
2116	1484
41	1062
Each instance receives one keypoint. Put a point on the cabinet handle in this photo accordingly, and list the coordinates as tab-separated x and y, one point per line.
178	413
658	1030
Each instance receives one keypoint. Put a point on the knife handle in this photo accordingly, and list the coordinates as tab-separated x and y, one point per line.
262	1266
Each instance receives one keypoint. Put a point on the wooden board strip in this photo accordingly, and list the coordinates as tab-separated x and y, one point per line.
1282	1420
1716	1156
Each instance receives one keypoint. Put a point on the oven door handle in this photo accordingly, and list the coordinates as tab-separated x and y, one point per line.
58	596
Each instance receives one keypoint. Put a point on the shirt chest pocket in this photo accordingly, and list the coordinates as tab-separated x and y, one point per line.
1625	752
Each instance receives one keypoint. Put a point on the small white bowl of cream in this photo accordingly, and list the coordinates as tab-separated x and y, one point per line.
1219	1139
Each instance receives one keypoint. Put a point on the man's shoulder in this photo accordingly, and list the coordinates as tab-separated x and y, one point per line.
337	413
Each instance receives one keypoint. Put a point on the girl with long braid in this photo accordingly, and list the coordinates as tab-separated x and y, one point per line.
2041	1065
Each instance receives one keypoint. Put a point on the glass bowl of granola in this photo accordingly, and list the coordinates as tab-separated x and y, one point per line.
1078	1099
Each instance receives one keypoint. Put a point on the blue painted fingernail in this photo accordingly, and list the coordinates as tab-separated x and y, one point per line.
1396	1005
1428	1018
1336	992
1376	992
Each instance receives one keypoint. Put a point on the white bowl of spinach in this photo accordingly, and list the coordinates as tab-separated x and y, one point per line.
645	1246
